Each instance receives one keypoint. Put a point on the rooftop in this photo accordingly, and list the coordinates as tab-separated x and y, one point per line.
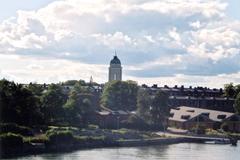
185	113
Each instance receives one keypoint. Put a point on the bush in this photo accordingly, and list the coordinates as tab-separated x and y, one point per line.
14	128
92	126
134	122
90	138
199	130
54	129
212	132
10	141
225	127
39	139
93	141
60	137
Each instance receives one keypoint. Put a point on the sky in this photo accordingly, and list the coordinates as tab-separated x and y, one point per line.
164	42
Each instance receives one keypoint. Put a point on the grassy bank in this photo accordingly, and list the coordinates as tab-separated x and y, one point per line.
42	139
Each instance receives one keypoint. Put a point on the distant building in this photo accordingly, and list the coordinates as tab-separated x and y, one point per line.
199	97
110	119
232	123
115	69
188	117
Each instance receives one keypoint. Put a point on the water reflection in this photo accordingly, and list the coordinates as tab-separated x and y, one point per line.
184	151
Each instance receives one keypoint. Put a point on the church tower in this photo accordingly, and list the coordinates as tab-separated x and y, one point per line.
115	69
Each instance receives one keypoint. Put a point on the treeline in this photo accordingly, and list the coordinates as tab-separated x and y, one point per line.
57	104
74	102
36	104
151	109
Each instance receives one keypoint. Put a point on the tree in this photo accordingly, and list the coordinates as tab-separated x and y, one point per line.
120	95
237	104
79	106
36	89
144	103
237	90
52	103
159	110
18	104
70	82
229	90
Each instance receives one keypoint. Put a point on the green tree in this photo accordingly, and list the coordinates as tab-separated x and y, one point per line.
79	106
144	102
36	89
52	103
18	104
237	90
229	90
237	103
120	95
159	109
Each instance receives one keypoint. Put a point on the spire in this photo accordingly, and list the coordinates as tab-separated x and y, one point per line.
115	53
91	80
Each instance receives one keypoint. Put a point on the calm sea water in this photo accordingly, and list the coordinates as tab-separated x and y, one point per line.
183	151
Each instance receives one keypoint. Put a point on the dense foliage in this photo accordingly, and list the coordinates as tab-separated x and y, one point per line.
80	105
35	104
144	102
60	137
10	140
231	91
237	104
14	128
18	104
120	95
153	109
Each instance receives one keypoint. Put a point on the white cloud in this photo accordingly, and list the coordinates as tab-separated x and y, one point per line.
170	37
215	42
175	35
48	70
196	24
116	40
186	8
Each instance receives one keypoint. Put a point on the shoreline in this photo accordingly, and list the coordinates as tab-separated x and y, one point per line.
36	149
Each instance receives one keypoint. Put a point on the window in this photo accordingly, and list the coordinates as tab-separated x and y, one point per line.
185	117
221	116
206	114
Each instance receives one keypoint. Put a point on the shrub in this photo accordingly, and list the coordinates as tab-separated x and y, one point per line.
212	132
225	127
90	138
54	129
14	128
92	141
39	139
198	130
10	141
92	126
60	137
134	122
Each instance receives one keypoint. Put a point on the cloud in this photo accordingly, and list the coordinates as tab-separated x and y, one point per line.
48	70
153	39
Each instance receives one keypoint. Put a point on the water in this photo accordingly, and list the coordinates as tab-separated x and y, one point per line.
183	151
